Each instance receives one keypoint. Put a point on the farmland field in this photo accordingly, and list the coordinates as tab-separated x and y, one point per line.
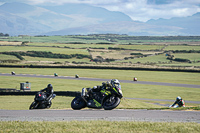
52	49
104	50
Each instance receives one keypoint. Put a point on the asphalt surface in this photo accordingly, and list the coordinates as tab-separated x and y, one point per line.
98	79
122	81
110	115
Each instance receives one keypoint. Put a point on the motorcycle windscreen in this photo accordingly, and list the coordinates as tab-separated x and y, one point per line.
119	88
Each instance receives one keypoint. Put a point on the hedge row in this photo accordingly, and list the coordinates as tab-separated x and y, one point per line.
58	93
45	54
185	51
17	54
106	67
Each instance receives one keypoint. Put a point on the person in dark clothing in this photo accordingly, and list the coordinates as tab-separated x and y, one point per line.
105	85
179	101
97	91
13	73
49	92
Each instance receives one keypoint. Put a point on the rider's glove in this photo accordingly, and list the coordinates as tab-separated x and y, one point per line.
103	84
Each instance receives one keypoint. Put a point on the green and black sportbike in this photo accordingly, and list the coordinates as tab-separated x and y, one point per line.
106	96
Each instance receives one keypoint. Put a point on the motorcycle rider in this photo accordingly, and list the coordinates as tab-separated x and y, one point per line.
49	92
105	85
55	74
13	73
178	101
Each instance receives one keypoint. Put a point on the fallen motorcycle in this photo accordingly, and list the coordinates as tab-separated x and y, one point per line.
106	98
40	101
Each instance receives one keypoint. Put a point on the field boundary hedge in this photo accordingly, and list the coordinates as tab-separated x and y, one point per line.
28	93
107	67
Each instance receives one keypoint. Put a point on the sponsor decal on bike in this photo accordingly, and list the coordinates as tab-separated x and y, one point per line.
97	103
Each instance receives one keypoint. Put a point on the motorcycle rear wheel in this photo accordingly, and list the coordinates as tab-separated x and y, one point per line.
111	102
78	103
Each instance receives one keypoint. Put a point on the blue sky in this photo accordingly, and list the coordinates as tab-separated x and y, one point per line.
141	10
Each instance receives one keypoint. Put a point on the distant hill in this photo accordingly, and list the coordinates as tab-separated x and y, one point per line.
100	15
123	27
189	25
19	18
16	25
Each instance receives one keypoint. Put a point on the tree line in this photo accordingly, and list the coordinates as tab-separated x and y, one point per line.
45	54
2	34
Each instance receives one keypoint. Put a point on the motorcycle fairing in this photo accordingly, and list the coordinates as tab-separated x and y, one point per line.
105	92
93	104
40	96
97	104
97	101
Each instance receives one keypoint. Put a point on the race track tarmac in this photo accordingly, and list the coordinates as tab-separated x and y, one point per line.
111	115
92	114
98	79
122	81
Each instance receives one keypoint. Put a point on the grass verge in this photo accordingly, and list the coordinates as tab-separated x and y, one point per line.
154	76
129	89
23	102
61	102
98	126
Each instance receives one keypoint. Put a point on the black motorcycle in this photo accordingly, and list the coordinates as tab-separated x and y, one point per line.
40	101
13	73
106	98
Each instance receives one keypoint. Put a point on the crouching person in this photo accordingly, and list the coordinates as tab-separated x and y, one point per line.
178	103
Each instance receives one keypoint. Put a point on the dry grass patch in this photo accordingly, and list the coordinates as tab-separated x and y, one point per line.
10	43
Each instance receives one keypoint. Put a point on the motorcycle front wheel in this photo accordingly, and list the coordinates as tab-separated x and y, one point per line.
78	103
111	102
33	105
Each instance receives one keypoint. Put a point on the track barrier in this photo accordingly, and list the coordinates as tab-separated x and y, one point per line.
18	92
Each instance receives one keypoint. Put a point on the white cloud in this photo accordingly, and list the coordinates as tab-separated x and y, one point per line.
141	10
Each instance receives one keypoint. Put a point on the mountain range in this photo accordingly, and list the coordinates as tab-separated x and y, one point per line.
69	19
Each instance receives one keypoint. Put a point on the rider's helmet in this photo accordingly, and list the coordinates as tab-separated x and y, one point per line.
178	98
115	83
49	86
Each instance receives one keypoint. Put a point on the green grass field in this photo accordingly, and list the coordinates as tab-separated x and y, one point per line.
117	47
99	126
141	47
129	90
63	102
192	57
151	59
182	47
155	76
106	38
73	45
8	57
52	49
39	60
23	102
